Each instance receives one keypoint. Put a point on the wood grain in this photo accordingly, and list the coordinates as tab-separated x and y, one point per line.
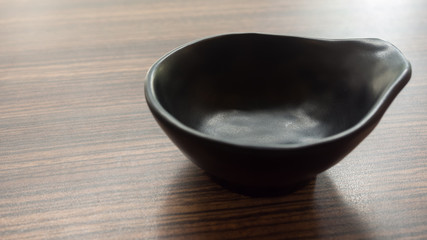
82	158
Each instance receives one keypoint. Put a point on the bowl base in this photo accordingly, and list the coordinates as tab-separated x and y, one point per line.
261	191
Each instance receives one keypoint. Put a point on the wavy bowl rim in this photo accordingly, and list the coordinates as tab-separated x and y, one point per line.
389	94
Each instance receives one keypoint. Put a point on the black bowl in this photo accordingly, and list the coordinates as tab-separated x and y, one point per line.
267	112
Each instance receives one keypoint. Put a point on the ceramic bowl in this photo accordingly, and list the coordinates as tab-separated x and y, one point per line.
265	112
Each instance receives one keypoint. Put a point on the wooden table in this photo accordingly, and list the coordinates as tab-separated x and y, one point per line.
82	158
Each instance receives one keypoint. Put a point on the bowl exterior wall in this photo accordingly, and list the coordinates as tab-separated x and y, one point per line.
261	168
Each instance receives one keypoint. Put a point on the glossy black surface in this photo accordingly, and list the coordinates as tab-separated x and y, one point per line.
269	112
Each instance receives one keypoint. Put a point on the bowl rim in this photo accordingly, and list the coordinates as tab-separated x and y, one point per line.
389	94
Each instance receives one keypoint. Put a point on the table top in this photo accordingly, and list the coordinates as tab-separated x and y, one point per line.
81	157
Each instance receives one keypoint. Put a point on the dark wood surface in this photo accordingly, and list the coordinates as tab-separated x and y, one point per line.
82	158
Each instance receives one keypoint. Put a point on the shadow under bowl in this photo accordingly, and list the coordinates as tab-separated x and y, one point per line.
264	111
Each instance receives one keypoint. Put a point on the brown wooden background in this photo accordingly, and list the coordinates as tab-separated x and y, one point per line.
82	158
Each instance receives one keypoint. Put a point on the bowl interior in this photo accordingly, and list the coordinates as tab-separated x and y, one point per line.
274	90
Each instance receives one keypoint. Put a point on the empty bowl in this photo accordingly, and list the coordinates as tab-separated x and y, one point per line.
266	112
